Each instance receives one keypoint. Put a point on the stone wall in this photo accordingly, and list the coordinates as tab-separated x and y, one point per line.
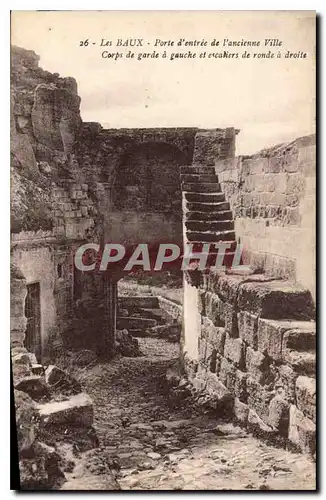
53	209
249	336
272	195
73	182
249	342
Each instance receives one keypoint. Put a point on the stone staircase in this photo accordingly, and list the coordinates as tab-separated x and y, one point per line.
257	341
207	215
140	313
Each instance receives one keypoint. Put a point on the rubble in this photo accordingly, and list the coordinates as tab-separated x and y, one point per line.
60	381
35	386
126	344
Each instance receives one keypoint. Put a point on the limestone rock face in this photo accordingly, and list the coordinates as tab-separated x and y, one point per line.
55	116
22	150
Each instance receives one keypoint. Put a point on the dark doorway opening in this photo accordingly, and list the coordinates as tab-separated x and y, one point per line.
33	314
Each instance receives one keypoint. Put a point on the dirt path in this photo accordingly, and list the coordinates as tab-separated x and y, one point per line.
152	446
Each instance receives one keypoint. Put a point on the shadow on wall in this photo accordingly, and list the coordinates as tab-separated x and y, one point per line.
148	179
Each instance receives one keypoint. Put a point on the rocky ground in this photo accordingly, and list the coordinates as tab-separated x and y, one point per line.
151	442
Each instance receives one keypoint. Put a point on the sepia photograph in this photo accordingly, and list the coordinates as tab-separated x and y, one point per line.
163	250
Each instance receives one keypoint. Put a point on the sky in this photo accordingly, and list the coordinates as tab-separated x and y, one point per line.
271	100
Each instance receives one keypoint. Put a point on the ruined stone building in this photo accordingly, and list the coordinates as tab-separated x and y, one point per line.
248	339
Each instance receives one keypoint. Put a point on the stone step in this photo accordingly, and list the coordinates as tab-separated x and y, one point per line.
208	236
201	187
208	207
276	299
131	322
195	178
223	215
146	301
205	197
156	314
204	225
77	410
197	169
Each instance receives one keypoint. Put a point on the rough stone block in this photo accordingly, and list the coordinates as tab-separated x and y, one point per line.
214	335
234	350
292	216
223	396
271	332
302	431
257	365
279	415
25	420
285	383
300	337
22	149
225	286
295	183
214	309
77	410
259	398
227	374
247	327
241	411
240	386
307	154
21	358
34	386
61	381
305	391
256	424
205	352
230	318
276	300
55	126
218	364
304	363
17	337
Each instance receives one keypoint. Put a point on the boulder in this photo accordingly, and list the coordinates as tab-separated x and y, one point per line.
41	469
126	344
60	381
21	358
19	372
305	392
302	431
34	386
